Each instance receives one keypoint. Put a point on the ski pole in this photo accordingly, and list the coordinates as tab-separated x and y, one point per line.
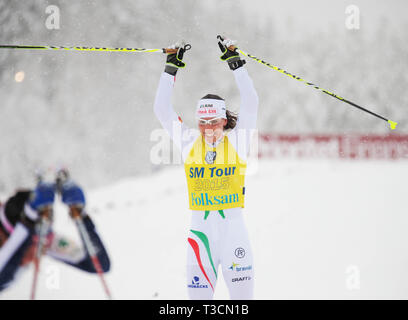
103	49
392	124
45	222
76	215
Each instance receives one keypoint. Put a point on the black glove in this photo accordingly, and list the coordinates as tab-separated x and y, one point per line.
174	60
230	53
14	209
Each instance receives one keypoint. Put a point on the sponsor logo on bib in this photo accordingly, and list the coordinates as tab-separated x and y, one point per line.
203	199
210	157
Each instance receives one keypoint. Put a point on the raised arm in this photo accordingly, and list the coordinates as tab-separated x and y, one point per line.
163	108
246	123
249	100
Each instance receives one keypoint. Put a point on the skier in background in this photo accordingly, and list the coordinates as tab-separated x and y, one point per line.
215	158
19	218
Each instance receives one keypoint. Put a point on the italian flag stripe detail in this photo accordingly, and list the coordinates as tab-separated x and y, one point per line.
196	249
206	243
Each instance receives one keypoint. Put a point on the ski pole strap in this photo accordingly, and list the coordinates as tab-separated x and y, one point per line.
392	124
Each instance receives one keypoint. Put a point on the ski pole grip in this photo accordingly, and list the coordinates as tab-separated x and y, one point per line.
231	48
75	212
169	51
45	213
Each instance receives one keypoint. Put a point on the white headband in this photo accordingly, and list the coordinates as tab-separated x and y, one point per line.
211	108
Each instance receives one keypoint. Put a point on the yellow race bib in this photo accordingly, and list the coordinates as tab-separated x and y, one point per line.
215	176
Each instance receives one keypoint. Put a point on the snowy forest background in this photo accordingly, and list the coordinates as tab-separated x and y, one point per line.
92	112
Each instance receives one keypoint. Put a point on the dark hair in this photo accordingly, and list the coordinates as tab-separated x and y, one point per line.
231	116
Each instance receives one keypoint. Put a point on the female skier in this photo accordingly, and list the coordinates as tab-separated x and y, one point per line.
19	219
215	161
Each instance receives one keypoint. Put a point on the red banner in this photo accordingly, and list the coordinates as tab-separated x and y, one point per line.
352	146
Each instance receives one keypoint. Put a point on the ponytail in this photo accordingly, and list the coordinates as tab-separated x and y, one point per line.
231	120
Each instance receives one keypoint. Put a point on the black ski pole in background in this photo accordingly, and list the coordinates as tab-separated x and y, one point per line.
75	213
41	238
392	124
62	176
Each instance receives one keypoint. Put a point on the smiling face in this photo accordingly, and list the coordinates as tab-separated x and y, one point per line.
212	129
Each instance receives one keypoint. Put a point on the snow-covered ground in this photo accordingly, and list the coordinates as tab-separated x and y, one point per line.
319	229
